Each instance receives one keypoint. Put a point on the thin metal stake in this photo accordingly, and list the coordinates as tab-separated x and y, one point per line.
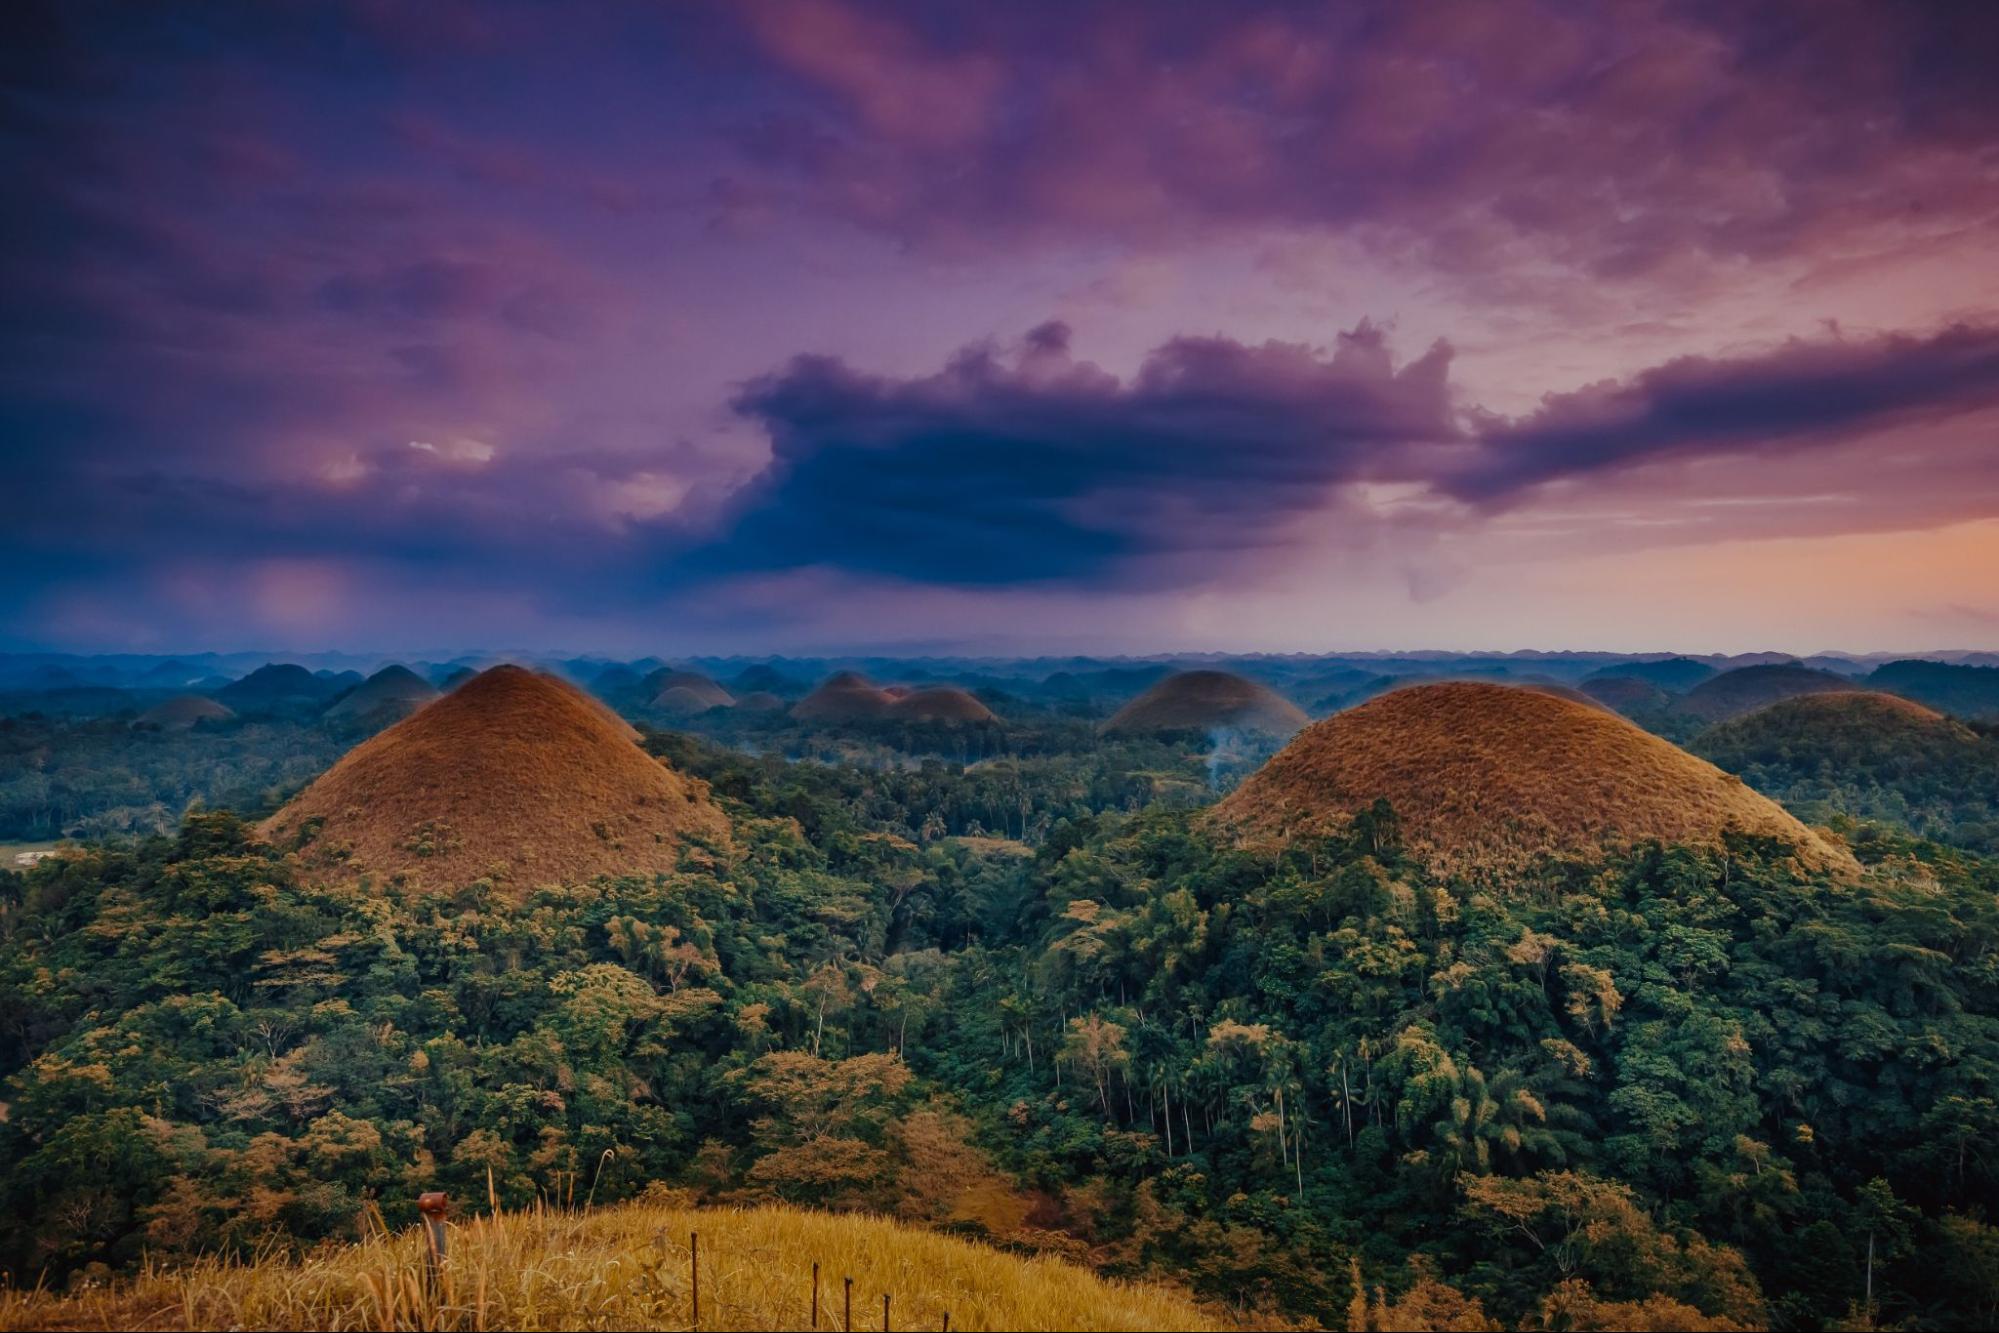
884	1312
431	1207
815	1293
848	1316
694	1263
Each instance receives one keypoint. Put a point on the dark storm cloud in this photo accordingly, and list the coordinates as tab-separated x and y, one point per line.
1036	466
1802	394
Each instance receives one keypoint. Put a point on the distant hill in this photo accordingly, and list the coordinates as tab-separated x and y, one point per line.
684	693
764	679
941	703
1485	779
1675	675
1205	700
846	696
392	692
514	775
277	687
1868	754
1626	694
182	712
1746	689
1965	691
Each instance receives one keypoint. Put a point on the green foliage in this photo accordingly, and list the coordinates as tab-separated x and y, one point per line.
1683	1086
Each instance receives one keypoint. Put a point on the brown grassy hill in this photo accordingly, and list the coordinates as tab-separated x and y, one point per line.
847	696
1487	778
1200	700
394	690
182	712
942	703
514	775
686	692
1626	694
1746	689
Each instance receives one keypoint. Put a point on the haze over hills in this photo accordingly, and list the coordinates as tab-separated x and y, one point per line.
1204	700
1489	778
1746	689
514	776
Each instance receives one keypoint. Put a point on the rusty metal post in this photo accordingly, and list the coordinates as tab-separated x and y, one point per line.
431	1207
694	1263
848	1315
815	1293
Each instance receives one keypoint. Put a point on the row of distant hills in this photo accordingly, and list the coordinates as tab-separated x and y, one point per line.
1702	688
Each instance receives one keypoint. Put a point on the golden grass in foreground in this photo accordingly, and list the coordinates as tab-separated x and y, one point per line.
626	1267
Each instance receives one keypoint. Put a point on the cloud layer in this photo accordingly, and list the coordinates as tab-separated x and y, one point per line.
643	314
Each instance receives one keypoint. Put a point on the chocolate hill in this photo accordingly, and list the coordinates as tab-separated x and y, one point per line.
513	775
686	692
1746	689
276	687
941	703
1205	700
182	712
394	691
846	696
1489	778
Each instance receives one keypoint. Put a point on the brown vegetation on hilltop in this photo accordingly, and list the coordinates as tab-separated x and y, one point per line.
941	703
514	775
847	696
1202	700
1489	778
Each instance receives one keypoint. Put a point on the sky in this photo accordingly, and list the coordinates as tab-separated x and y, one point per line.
807	326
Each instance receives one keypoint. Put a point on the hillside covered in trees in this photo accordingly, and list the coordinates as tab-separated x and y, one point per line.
1701	1084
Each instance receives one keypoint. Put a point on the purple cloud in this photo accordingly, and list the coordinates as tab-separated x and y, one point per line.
1034	466
1801	395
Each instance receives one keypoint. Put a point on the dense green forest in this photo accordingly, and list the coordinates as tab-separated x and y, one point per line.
1692	1083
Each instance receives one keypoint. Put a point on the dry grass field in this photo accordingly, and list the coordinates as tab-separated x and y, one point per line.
625	1267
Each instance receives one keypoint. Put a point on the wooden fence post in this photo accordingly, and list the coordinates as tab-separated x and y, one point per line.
694	1264
815	1293
848	1305
884	1312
